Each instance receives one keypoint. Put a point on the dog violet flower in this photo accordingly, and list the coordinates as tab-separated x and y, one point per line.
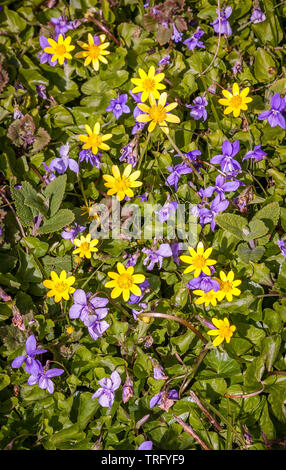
43	378
221	24
62	25
106	394
62	164
158	113
85	246
60	286
204	282
257	154
156	256
118	106
31	364
124	282
199	260
282	246
94	51
85	305
207	216
223	332
228	286
194	40
198	110
73	232
235	101
257	16
177	36
122	185
274	115
226	161
148	84
221	186
146	445
59	49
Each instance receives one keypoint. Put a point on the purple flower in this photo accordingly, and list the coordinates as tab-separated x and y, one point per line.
95	326
226	161
159	373
43	379
17	114
257	154
207	216
156	256
84	306
274	116
194	40
164	399
257	16
62	164
31	365
90	157
41	91
198	110
129	154
175	174
44	56
177	36
50	175
1	231
165	60
204	282
282	246
127	390
62	25
118	106
164	213
220	187
135	299
106	394
73	232
136	312
146	445
223	25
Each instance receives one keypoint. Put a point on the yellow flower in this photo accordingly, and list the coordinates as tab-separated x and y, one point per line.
158	113
121	185
94	50
198	260
206	297
69	330
94	140
224	331
148	84
90	211
60	286
228	287
124	282
235	101
60	50
85	246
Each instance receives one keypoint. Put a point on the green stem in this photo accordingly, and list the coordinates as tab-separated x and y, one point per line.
211	102
91	276
188	162
144	151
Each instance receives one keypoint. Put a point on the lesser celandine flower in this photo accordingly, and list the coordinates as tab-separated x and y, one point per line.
124	282
206	298
85	246
223	332
228	286
60	286
235	101
60	49
198	260
90	211
158	113
121	185
94	51
94	140
148	84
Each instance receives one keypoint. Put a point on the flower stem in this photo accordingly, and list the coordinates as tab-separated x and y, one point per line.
188	162
144	151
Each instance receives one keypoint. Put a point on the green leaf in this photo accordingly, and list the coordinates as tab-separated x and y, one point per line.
263	64
55	192
232	223
15	23
248	254
269	215
87	409
62	218
38	247
270	349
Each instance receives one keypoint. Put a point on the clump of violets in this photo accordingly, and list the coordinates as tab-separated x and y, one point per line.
221	25
106	392
256	154
194	40
91	311
198	108
156	256
274	115
64	162
118	106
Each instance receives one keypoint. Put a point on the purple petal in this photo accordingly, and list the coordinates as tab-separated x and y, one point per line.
18	361
54	372
116	380
31	345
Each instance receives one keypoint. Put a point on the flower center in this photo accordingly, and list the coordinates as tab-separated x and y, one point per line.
199	261
60	287
236	101
158	113
122	184
94	51
125	281
94	140
226	286
149	84
225	331
60	49
84	247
